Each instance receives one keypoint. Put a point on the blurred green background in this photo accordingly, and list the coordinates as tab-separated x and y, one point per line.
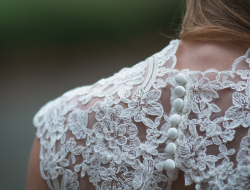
50	47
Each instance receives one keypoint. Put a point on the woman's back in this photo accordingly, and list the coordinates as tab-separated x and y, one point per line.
184	109
202	56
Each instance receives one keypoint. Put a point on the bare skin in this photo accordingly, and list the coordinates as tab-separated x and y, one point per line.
34	181
203	55
193	55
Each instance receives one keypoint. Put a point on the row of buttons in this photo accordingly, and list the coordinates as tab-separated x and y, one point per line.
175	119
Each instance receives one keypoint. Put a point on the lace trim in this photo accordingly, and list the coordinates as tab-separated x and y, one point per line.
94	130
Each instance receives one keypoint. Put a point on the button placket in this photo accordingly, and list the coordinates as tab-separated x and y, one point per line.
175	119
179	91
180	79
170	148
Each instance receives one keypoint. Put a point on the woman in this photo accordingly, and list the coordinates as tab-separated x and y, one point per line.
178	120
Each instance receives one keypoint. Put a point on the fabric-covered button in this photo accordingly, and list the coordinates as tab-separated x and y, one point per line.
179	91
169	165
170	148
178	104
175	119
172	133
180	78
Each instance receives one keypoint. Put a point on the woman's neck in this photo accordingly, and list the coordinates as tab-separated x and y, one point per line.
202	55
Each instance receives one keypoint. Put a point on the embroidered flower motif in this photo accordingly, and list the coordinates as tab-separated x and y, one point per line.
104	109
69	180
153	133
94	177
55	116
148	148
203	90
213	130
117	134
55	119
77	123
227	135
91	161
50	165
151	184
194	154
196	175
243	156
133	76
107	117
224	152
225	169
159	83
70	144
116	177
143	103
116	140
151	177
71	148
240	112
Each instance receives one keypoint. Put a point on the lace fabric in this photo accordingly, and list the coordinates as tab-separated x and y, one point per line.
113	134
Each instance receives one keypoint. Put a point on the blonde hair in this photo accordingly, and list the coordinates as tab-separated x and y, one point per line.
223	20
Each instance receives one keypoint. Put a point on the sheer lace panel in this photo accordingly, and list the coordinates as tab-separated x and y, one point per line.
113	134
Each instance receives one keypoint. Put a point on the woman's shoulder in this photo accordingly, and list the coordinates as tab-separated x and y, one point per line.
123	124
120	85
90	117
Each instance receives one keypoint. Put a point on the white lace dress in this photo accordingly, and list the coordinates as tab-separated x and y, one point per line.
138	128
